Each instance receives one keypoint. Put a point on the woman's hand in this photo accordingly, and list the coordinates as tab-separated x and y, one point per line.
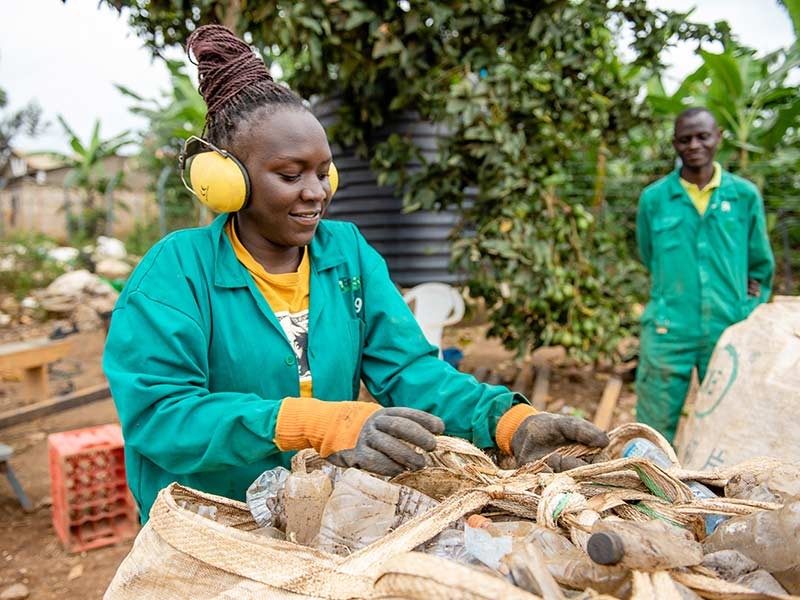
542	433
380	447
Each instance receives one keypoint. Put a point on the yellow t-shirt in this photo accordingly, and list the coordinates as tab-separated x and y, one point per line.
287	295
701	197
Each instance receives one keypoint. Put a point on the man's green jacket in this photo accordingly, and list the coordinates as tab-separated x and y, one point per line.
198	363
700	265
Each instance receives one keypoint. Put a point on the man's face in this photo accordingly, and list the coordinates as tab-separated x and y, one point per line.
696	139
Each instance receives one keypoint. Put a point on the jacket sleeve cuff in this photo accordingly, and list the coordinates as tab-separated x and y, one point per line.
509	423
325	426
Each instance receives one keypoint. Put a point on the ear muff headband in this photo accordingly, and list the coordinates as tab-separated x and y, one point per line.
217	177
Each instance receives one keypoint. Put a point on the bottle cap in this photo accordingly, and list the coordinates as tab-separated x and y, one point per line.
605	548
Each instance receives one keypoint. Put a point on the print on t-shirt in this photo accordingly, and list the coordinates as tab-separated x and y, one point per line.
296	327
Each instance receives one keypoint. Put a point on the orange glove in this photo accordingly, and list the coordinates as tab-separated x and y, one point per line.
528	435
509	423
358	434
325	426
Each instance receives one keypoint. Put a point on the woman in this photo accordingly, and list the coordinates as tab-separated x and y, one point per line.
234	344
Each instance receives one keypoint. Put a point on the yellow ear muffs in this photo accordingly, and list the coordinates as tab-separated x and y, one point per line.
217	178
220	182
333	178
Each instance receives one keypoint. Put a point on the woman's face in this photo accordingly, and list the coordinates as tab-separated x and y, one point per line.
287	157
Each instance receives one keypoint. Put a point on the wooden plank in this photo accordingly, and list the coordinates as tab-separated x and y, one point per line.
608	402
541	387
32	353
54	405
35	383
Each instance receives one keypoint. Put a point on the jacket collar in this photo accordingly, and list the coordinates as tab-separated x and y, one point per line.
676	190
325	253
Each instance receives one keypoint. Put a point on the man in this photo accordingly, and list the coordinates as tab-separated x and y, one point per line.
702	235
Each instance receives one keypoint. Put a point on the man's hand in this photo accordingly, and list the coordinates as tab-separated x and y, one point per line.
754	288
380	448
542	433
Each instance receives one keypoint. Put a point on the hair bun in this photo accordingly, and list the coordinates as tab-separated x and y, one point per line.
225	64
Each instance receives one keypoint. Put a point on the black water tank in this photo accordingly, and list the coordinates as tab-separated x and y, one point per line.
416	246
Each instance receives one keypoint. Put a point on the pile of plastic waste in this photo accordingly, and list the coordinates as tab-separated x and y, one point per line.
633	524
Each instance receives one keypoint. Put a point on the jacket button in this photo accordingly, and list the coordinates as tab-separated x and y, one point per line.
289	360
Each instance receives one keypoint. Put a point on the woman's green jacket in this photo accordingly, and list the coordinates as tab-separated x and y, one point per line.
198	364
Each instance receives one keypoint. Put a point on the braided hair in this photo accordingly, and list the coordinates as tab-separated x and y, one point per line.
234	82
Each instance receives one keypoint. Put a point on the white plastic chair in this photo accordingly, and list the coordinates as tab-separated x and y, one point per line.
436	305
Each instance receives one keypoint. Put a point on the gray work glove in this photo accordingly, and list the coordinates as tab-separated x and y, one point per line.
379	448
542	433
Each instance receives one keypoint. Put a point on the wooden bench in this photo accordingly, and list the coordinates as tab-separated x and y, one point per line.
32	358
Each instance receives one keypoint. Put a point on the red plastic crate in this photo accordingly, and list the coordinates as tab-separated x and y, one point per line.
92	505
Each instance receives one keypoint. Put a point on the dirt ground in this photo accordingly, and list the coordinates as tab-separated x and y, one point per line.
31	553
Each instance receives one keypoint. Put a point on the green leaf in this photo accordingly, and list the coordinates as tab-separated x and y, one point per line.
793	8
726	71
311	24
128	92
359	18
775	131
384	47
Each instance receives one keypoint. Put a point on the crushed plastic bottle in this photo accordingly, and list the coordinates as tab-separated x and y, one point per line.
448	544
305	496
265	498
493	543
780	485
359	512
643	448
769	537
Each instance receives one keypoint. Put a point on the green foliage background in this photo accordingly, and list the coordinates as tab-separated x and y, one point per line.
549	144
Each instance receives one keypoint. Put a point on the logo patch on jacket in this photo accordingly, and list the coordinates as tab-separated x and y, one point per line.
349	284
353	285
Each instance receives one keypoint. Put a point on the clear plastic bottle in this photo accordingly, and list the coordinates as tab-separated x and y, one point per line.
359	511
496	543
649	546
448	544
769	537
643	448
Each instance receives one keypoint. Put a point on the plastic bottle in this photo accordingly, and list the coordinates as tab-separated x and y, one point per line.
305	497
651	546
643	448
448	544
360	511
780	484
496	543
769	537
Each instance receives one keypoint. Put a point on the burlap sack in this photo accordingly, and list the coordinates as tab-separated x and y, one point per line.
180	554
750	393
202	546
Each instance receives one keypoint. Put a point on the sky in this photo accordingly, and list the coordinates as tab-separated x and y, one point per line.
67	58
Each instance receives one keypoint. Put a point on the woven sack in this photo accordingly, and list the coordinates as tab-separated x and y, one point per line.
754	372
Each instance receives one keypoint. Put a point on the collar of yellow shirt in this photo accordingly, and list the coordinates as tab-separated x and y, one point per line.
700	197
